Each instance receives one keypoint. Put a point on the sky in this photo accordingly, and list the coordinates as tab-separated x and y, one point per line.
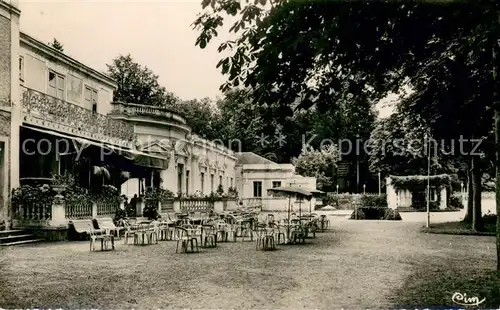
157	34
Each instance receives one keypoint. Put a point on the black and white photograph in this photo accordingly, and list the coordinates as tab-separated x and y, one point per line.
249	154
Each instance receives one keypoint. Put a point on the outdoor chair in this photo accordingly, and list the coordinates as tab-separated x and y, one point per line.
141	235
265	239
298	235
225	232
279	232
270	218
105	239
165	232
185	240
129	232
245	230
153	231
109	226
209	236
324	222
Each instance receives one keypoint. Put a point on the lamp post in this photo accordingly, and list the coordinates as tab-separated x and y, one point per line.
428	181
337	189
364	189
379	185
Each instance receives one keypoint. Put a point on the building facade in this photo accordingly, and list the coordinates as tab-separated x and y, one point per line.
57	115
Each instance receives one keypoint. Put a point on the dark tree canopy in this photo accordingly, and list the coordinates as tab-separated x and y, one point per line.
138	84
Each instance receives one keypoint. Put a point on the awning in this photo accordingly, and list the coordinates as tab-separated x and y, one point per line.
139	158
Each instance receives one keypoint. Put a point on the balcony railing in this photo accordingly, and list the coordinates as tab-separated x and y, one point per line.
120	108
42	109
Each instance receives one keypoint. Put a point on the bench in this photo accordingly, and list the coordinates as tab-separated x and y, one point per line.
78	229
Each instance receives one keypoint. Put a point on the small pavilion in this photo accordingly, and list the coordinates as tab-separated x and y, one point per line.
410	192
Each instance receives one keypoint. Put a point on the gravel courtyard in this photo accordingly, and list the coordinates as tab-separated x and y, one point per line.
357	264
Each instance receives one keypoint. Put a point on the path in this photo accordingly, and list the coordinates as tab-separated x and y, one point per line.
360	264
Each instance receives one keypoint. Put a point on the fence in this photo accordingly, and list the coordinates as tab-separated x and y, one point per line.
32	211
107	208
196	205
78	210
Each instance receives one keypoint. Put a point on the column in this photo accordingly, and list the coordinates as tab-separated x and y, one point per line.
444	199
58	218
169	176
195	176
391	194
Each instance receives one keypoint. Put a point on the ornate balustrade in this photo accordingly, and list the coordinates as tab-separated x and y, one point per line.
120	108
50	112
106	208
78	210
32	211
196	205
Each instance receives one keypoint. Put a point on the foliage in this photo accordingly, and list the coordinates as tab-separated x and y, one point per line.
392	215
280	65
374	201
152	198
317	163
232	192
138	84
30	195
417	182
72	191
158	194
119	216
57	45
201	116
456	202
108	195
330	200
220	190
357	214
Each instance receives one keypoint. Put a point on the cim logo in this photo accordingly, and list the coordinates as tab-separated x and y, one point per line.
463	300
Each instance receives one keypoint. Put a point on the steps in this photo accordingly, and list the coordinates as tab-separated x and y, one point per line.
17	237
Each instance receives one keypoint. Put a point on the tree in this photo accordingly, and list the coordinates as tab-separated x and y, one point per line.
317	163
297	54
57	45
138	84
201	117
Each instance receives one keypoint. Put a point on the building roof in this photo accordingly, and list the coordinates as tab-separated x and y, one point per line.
49	51
249	158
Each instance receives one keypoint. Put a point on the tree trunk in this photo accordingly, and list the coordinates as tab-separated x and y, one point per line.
470	191
476	183
496	108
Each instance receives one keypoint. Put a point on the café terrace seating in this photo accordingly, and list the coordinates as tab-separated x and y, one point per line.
200	230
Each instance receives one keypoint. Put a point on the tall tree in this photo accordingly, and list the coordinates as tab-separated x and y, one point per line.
201	117
318	163
311	52
138	84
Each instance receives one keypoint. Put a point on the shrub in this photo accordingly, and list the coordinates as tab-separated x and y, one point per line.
392	215
360	215
330	200
119	215
456	202
490	218
374	201
220	190
232	192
